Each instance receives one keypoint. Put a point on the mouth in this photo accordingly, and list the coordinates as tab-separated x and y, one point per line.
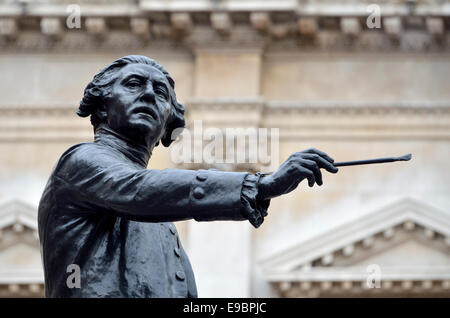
145	110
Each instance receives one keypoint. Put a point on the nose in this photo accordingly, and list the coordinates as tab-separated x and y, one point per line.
148	95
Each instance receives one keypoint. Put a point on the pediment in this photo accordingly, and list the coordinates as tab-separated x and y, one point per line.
406	241
21	271
18	212
18	224
407	253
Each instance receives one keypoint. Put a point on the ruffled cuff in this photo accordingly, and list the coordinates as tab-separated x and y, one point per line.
253	209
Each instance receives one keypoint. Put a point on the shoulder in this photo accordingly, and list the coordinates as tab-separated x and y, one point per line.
84	156
83	152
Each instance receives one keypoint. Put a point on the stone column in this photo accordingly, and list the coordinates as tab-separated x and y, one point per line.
220	252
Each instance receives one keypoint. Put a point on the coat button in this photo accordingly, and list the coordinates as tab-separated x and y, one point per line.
172	229
180	275
202	177
199	193
177	251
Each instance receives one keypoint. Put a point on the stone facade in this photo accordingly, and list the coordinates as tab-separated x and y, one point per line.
315	70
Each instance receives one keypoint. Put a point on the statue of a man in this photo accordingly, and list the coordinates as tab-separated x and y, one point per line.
105	213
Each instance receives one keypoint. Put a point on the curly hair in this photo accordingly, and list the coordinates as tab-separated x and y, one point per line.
99	87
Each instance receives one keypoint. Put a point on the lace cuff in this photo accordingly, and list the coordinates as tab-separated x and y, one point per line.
253	209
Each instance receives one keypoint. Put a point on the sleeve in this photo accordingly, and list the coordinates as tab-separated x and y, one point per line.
91	180
253	209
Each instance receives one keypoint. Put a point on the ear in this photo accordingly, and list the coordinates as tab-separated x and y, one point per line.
101	113
98	99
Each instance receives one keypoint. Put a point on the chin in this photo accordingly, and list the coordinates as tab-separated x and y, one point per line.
140	129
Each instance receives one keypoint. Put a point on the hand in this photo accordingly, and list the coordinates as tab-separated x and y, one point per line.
299	166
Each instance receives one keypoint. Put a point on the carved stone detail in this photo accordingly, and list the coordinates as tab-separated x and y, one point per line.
307	25
260	20
350	26
181	21
8	27
392	25
221	22
96	26
140	26
51	26
435	25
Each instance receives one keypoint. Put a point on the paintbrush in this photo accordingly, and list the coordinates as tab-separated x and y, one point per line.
371	161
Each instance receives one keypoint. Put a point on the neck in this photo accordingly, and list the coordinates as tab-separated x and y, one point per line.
135	151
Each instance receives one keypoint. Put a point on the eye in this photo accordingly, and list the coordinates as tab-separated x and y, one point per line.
133	83
160	90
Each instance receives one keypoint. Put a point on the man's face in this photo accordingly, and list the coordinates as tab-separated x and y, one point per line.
139	103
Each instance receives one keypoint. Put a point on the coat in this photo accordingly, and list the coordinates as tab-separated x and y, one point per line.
105	212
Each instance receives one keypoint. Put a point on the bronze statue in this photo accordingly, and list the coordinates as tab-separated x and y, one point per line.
105	212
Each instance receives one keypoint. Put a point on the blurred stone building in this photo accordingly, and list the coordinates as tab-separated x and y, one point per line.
357	79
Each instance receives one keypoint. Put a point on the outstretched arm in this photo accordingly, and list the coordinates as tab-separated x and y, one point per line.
94	178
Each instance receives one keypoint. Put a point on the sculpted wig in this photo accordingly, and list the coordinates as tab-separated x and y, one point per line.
99	87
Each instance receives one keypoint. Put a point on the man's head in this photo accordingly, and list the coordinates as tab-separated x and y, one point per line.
135	97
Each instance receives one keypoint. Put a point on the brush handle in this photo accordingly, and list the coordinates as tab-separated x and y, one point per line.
372	161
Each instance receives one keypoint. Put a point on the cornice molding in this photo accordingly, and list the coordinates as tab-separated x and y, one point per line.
226	103
295	120
312	8
256	102
359	121
358	104
51	110
316	26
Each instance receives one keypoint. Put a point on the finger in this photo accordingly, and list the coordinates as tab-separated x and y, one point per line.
320	153
308	174
321	162
314	167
